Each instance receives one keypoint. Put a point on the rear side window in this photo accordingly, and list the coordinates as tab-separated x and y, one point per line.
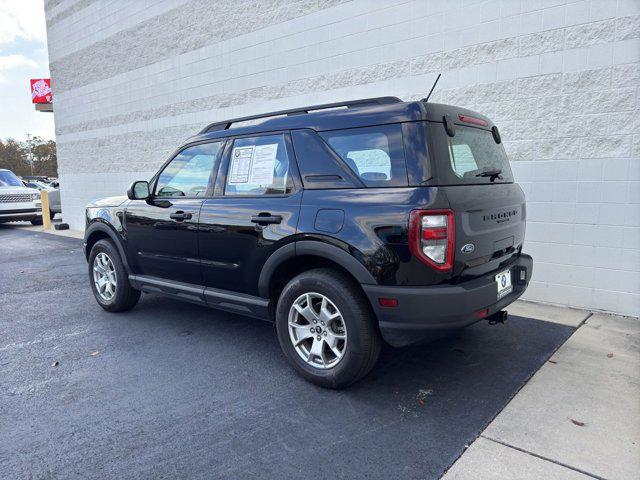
473	155
259	166
375	154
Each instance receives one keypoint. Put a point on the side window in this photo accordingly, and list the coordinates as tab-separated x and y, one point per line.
375	154
258	166
189	173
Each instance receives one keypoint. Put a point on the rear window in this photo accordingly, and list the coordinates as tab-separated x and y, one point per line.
473	156
375	154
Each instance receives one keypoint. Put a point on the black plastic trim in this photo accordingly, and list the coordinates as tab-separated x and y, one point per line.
449	126
496	134
318	249
238	303
331	252
421	311
215	298
179	290
102	227
273	262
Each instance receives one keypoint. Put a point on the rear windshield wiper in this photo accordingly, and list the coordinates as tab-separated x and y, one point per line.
492	173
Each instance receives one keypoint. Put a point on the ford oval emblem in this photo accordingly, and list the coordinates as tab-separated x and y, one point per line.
468	248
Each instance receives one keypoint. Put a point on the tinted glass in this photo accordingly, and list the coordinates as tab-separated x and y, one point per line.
189	173
8	179
319	165
473	152
375	154
258	166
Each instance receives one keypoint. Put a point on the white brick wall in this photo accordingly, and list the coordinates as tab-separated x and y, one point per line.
561	78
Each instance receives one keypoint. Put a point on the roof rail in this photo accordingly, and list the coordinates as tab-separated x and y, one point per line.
226	124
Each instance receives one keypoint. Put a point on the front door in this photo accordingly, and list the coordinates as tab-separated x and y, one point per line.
254	211
162	232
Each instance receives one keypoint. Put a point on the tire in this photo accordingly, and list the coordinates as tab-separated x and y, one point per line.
52	214
355	319
36	221
122	296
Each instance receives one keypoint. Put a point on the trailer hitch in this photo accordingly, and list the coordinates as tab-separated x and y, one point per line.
498	317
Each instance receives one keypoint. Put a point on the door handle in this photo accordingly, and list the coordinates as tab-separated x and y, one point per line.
180	216
266	219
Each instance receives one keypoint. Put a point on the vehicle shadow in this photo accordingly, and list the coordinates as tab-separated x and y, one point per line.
479	351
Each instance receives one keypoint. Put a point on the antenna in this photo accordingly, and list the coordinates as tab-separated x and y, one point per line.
425	100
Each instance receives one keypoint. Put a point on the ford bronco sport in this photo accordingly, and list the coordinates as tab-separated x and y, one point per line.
346	224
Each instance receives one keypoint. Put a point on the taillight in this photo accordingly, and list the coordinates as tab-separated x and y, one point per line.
431	237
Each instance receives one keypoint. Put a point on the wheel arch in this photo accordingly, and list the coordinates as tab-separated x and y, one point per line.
295	258
99	231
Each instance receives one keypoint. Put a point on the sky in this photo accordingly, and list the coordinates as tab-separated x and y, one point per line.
23	55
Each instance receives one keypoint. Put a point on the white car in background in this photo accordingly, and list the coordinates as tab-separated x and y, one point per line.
18	202
53	192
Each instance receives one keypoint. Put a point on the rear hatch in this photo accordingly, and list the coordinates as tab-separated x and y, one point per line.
469	165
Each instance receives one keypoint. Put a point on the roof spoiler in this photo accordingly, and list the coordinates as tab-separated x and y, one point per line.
226	124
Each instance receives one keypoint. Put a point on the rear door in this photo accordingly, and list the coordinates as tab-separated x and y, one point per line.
472	169
255	210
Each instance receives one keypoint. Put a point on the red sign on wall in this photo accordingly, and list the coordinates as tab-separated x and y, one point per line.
41	90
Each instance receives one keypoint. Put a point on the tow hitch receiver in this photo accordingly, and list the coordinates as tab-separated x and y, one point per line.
498	317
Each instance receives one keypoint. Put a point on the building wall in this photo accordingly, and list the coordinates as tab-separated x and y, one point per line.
132	79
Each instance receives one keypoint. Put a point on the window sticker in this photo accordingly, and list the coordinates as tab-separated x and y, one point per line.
264	162
253	165
241	158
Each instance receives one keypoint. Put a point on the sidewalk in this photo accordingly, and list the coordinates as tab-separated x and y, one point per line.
65	233
579	415
52	230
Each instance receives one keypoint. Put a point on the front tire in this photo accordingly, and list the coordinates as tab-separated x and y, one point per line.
109	280
326	328
36	221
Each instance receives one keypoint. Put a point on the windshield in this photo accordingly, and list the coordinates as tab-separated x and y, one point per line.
472	156
38	185
8	179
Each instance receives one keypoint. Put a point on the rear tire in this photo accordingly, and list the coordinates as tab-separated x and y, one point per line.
36	221
109	280
356	340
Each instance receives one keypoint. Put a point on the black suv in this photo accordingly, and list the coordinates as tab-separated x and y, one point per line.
345	224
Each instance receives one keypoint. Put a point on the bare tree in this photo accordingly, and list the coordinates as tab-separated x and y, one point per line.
14	156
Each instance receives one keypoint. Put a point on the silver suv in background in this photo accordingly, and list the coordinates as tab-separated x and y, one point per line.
52	190
18	202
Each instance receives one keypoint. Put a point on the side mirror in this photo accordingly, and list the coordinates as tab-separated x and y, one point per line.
138	190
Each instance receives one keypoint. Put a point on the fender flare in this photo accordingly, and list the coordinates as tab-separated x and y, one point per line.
103	228
317	249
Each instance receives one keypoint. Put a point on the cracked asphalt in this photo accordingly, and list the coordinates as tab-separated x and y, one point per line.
181	391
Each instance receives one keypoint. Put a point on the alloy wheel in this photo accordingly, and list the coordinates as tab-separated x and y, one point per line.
104	276
317	330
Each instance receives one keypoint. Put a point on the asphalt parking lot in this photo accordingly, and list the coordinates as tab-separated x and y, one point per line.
173	390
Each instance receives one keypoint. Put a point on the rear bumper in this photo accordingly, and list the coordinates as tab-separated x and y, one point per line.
422	311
